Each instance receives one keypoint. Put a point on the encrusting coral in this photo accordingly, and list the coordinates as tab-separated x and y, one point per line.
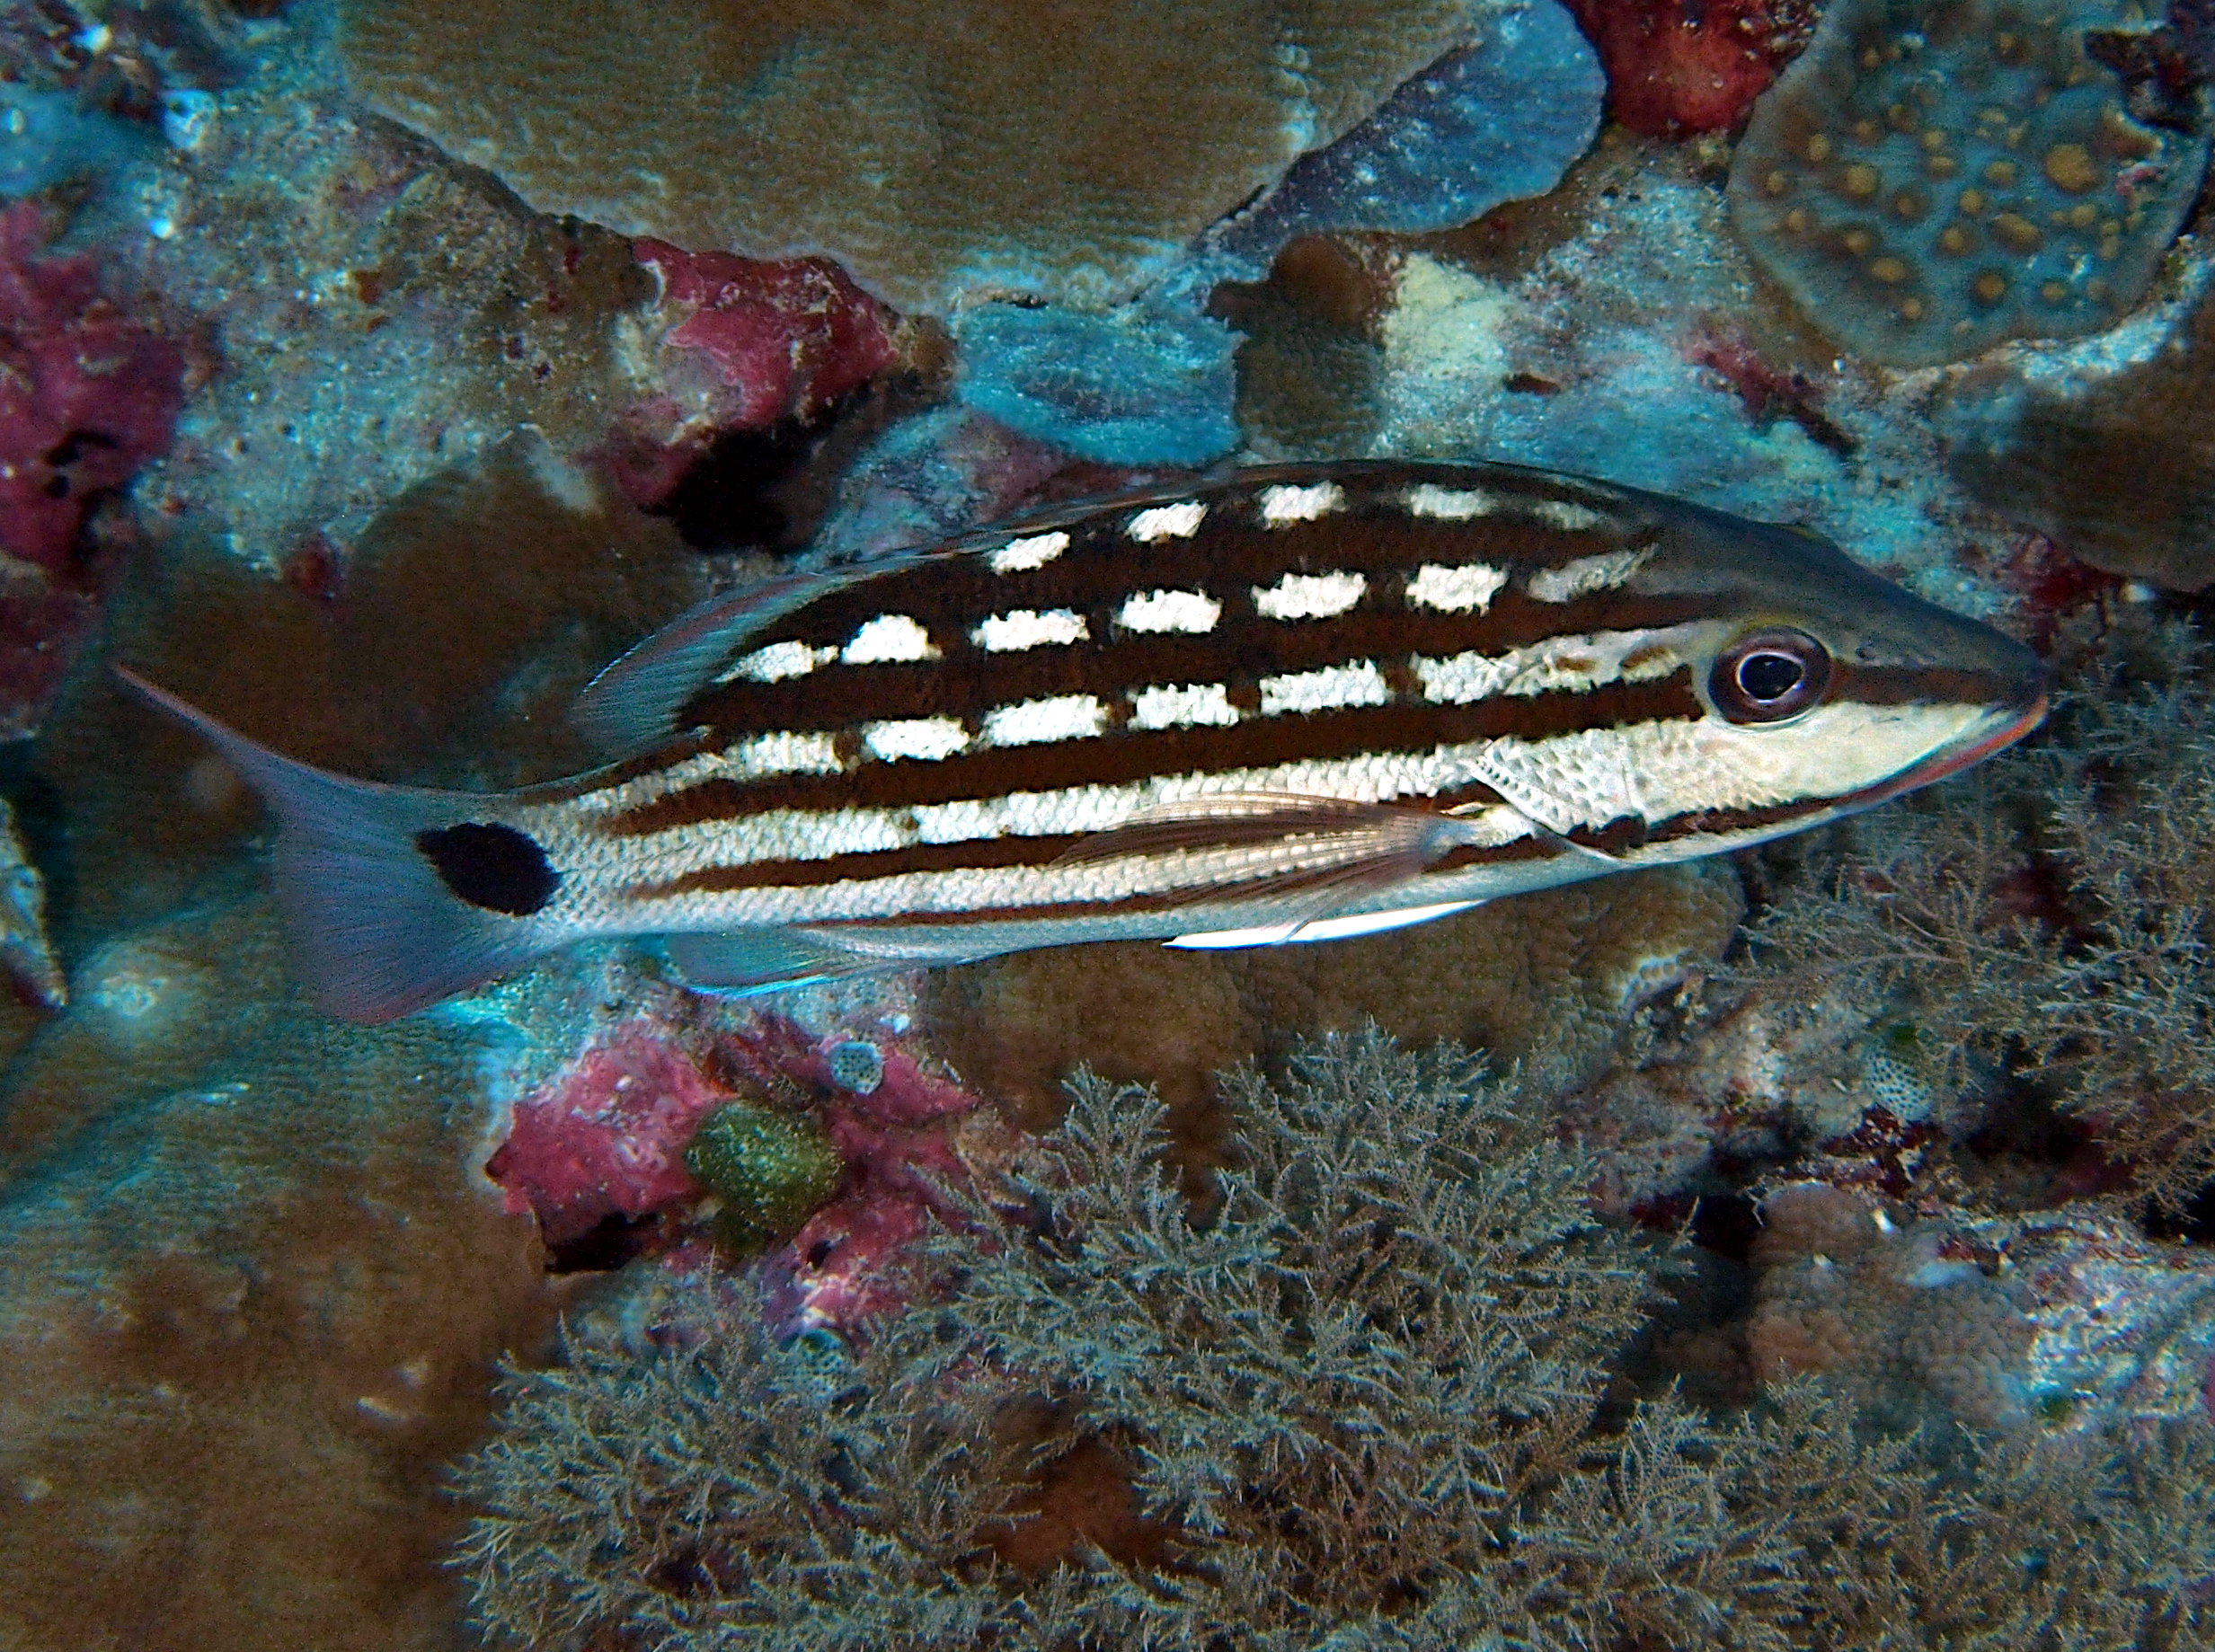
2120	471
1931	179
1357	1407
1054	153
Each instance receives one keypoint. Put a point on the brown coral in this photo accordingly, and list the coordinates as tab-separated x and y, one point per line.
1550	977
2120	472
253	1294
933	148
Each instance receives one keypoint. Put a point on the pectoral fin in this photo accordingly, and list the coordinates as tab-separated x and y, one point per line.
1292	859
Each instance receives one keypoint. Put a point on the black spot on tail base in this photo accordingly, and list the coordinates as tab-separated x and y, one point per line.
491	866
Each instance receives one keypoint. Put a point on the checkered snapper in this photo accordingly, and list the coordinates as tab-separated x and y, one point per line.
1288	704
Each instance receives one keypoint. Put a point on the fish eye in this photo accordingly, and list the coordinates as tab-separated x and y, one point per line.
1768	676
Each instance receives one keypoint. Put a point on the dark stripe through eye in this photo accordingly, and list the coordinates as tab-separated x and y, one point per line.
1769	677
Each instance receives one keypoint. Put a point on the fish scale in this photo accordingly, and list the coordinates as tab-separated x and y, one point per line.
1289	702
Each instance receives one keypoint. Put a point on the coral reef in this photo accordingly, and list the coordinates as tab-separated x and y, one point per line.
362	313
757	344
1453	143
26	954
49	138
1041	158
1929	180
2070	1319
251	1298
1141	386
1356	1408
2118	470
607	1136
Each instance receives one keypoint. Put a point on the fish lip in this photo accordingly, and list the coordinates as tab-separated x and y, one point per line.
1971	751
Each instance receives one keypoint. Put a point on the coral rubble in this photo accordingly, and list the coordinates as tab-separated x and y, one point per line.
1931	179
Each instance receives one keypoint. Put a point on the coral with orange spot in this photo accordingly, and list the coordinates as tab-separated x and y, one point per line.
1935	176
1052	152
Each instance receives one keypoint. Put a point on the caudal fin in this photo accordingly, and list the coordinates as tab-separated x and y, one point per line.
396	896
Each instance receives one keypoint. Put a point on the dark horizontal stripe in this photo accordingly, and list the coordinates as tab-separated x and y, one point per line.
1124	756
1924	685
975	853
1238	652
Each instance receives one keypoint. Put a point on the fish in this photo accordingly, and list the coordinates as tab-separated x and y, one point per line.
1284	703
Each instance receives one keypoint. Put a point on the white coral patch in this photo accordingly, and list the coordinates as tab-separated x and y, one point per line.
1038	723
1467	588
1026	628
1178	521
1183	705
1329	689
890	639
1193	613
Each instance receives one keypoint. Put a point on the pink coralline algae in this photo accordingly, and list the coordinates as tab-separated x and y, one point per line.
903	1141
607	1136
1680	67
86	396
763	343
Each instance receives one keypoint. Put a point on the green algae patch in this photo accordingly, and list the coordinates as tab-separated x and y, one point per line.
770	1169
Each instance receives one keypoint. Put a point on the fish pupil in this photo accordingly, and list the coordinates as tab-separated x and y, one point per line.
1768	676
491	866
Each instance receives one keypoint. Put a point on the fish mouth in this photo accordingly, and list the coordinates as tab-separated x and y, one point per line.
2002	728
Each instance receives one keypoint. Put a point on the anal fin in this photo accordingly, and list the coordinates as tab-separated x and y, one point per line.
749	961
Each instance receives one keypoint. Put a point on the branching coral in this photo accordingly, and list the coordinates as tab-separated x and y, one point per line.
2054	913
1357	1407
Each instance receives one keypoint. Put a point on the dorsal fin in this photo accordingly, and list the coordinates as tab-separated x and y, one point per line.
636	701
